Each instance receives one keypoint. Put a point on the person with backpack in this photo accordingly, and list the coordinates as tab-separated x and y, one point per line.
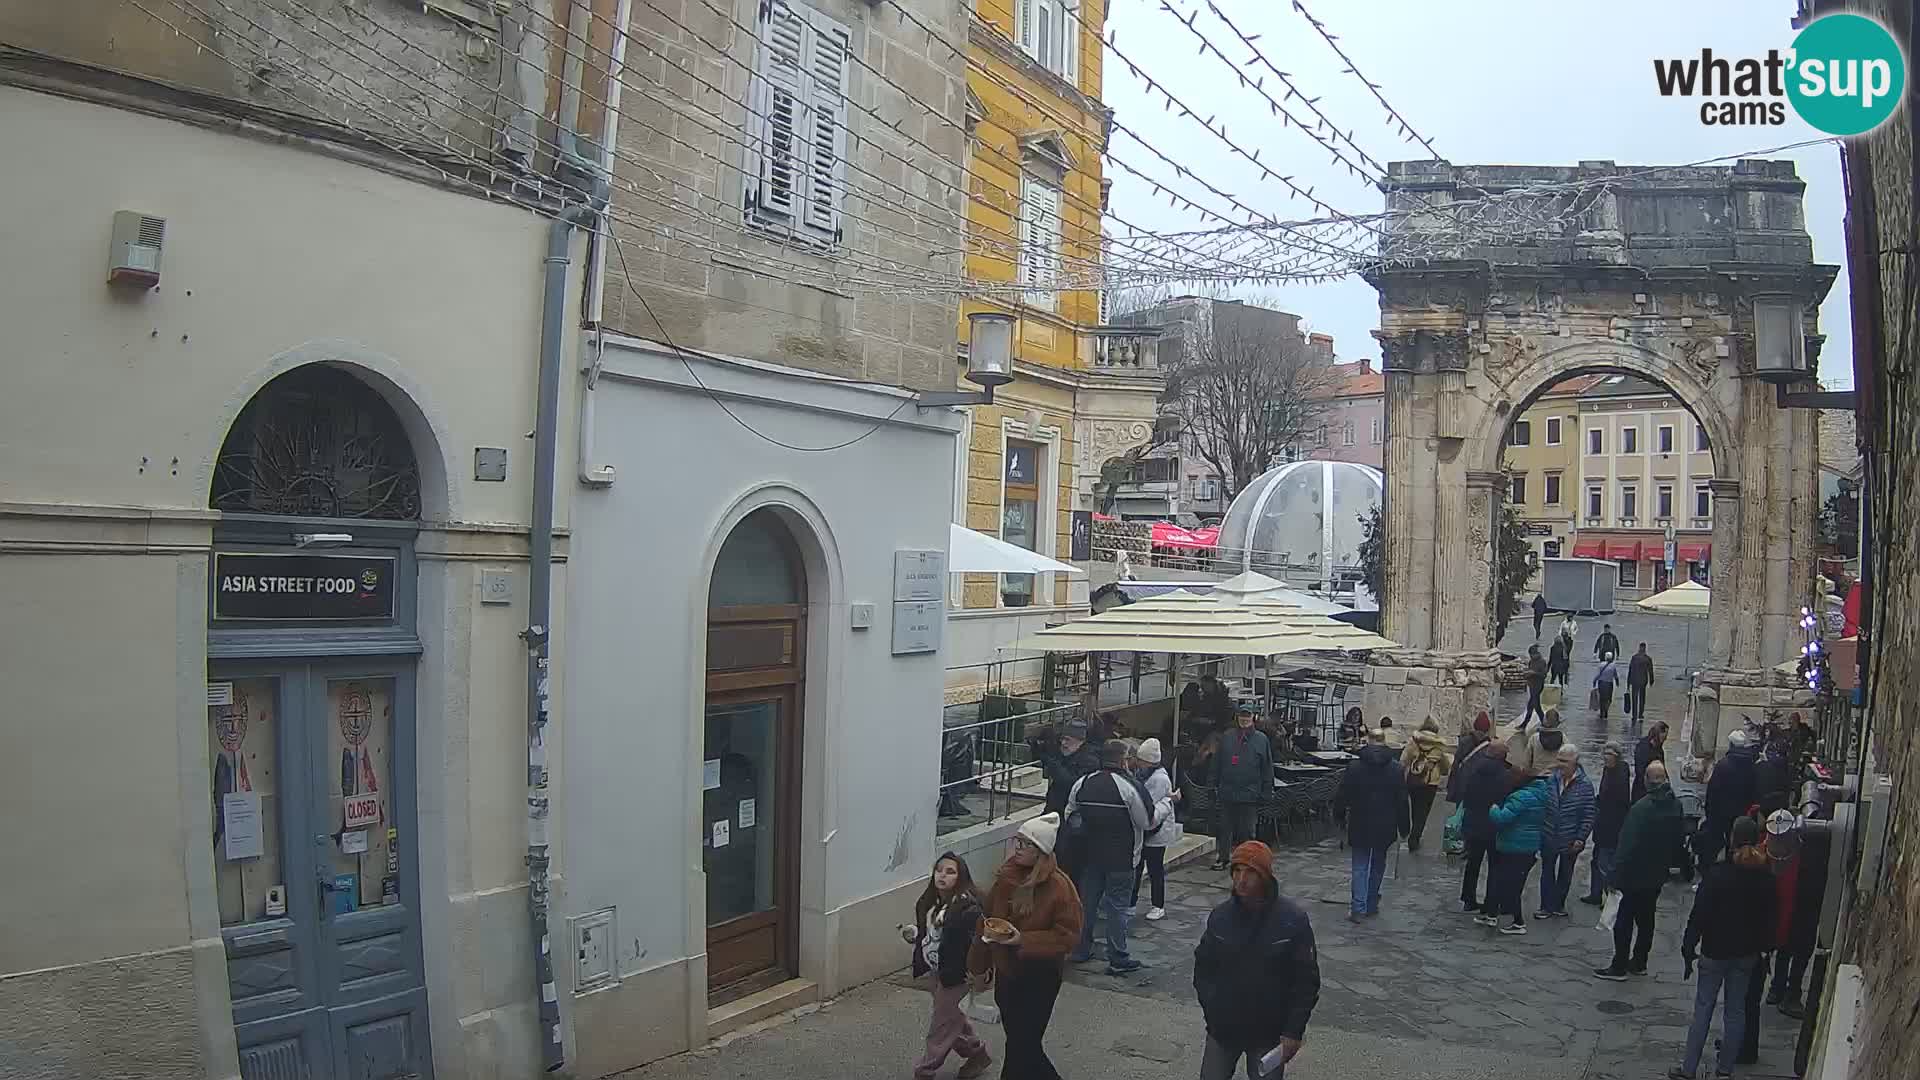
1110	813
1427	765
1153	846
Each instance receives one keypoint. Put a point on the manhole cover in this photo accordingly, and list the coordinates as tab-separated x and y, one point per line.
1615	1008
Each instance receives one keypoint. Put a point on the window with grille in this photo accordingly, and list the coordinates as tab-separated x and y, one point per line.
798	111
1039	242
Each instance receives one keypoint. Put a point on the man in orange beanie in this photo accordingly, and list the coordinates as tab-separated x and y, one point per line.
1256	972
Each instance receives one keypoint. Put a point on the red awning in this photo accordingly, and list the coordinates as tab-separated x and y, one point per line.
1628	550
1692	550
1167	534
1589	549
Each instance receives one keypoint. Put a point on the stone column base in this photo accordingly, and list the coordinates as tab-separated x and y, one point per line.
1411	685
1723	700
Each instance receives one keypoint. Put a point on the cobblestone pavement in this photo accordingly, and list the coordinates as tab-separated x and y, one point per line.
1419	993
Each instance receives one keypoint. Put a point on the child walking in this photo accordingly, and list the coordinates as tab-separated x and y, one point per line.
945	920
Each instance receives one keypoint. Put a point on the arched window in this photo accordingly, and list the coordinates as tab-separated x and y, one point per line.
757	566
317	442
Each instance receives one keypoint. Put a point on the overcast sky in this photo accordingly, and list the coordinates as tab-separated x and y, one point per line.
1488	82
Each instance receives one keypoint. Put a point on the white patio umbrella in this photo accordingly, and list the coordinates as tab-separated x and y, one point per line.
977	553
1690	600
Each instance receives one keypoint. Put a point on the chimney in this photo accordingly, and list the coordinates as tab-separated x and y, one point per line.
1321	345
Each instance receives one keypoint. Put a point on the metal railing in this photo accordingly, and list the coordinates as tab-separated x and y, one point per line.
988	769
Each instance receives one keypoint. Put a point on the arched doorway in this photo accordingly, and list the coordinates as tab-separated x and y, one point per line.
1652	276
749	825
311	737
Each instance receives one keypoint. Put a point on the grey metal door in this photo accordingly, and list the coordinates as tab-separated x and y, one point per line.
314	837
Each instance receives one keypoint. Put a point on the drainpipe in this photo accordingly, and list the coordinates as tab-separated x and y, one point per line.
538	633
590	474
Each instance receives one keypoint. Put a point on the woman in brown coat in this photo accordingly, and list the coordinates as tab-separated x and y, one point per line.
1026	968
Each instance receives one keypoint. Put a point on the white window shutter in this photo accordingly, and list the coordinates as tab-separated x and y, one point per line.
1025	29
778	100
1040	242
828	49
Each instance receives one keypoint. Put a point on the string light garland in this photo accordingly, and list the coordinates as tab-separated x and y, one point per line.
1406	128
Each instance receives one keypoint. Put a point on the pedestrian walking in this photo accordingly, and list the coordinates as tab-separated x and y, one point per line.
1647	842
1609	813
1571	805
1652	747
1242	780
1534	753
1607	645
1569	631
1780	844
1730	790
1731	924
1025	968
1536	684
1517	820
1639	681
1559	661
1256	973
1603	683
1427	766
945	921
1372	803
1539	613
1153	846
1485	783
1114	814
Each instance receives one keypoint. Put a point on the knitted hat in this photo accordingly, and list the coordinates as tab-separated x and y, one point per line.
1254	855
1738	738
1042	831
1149	752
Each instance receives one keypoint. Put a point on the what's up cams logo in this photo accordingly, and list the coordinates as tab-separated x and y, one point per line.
1844	75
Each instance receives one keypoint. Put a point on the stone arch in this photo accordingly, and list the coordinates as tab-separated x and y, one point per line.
426	432
1590	357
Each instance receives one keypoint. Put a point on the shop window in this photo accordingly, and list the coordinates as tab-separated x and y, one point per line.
317	442
243	739
362	862
1550	549
1629	573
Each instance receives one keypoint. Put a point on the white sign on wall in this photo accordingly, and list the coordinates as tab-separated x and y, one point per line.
916	626
919	575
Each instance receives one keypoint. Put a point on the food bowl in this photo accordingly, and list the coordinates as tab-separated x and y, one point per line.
992	929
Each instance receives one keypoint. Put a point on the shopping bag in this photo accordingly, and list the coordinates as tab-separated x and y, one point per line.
1172	833
1609	910
1453	833
981	1011
1550	697
1593	699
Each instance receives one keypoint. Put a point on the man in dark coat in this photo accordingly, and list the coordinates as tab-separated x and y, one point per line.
1647	841
1242	774
1652	747
1731	926
1609	813
1608	643
1536	685
1485	782
1729	795
1373	802
1539	613
1639	679
1773	780
1115	812
1256	972
1065	760
1558	661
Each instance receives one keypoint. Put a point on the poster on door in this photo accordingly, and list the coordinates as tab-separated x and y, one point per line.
360	747
243	805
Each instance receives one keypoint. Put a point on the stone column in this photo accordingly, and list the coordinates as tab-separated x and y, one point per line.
1750	592
1727	506
1452	557
1480	614
1400	618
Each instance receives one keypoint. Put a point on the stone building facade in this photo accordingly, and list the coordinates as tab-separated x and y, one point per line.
1654	274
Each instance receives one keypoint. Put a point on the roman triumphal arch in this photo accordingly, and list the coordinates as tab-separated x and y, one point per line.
1652	272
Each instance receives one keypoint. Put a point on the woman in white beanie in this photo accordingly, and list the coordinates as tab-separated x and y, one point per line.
1153	849
1026	967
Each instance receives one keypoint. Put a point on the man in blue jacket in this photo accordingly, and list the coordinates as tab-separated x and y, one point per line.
1569	822
1256	972
1518	821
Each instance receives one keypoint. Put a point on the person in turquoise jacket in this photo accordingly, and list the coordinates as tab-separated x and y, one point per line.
1518	821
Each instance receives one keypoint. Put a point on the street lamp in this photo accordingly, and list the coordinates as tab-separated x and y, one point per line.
989	362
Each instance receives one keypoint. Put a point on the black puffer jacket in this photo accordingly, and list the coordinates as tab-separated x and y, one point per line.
1610	806
1486	783
1734	914
1257	972
1730	788
1372	799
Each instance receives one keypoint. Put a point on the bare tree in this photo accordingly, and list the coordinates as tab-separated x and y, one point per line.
1244	386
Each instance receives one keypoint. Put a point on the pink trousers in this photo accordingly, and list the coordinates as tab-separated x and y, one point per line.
949	1032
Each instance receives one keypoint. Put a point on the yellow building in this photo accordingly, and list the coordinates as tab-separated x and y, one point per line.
1542	465
1082	393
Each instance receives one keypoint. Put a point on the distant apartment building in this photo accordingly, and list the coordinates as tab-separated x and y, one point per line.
1353	424
1542	467
1645	471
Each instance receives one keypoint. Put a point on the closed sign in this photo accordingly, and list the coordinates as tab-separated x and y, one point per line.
360	811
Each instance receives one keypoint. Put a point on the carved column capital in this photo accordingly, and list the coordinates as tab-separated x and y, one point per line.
1724	489
1449	348
1479	480
1398	352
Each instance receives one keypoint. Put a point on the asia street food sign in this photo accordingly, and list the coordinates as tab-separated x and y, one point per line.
262	587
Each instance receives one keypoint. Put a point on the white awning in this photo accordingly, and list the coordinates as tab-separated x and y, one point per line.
1686	598
970	552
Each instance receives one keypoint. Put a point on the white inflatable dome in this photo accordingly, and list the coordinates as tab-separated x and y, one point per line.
1301	521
